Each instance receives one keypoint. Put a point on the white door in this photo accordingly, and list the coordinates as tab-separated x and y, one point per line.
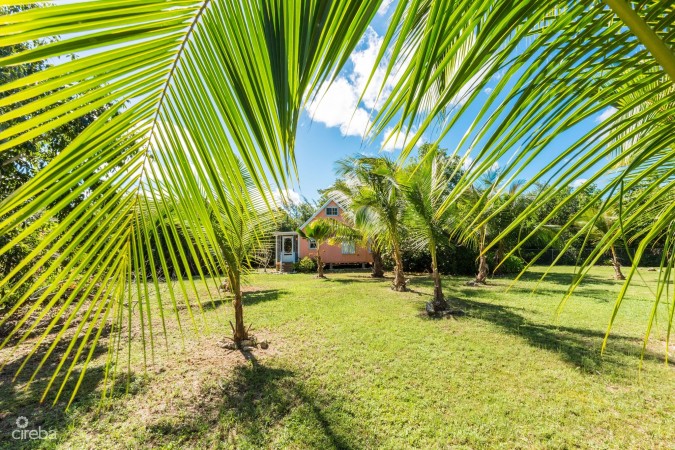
288	250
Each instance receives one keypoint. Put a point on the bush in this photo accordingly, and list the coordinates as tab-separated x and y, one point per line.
305	265
453	259
512	264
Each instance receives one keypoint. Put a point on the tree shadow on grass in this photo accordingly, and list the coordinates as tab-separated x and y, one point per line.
598	294
556	295
566	279
255	399
19	400
595	293
248	298
579	347
361	279
418	293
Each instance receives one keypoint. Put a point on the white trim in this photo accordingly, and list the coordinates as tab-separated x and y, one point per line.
321	209
287	257
285	233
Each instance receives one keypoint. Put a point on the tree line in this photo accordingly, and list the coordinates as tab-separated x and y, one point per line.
393	208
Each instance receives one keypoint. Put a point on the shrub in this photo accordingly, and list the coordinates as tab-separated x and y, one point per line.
452	259
305	265
512	264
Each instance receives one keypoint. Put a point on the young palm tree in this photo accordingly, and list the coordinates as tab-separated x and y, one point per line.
345	191
240	228
239	238
479	205
425	190
238	242
600	223
320	231
377	204
328	231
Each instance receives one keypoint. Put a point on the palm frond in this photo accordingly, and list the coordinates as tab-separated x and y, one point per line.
194	88
556	66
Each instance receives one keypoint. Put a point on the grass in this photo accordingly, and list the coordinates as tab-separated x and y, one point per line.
354	365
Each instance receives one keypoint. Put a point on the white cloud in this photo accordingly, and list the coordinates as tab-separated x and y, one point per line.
338	105
395	140
466	165
495	166
287	196
384	7
364	62
487	90
578	182
606	114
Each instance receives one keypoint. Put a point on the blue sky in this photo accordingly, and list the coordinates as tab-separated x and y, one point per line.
332	128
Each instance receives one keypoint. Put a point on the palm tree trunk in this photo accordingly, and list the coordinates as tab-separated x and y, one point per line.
239	329
482	261
481	277
378	269
617	265
319	263
499	255
399	276
439	301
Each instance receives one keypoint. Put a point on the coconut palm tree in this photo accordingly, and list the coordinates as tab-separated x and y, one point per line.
377	204
344	191
532	52
189	98
240	236
320	231
425	187
238	241
327	231
480	202
196	86
599	223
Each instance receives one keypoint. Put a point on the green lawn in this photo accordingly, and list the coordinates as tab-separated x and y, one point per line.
352	364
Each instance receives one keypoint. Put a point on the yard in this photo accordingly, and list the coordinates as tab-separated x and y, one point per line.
352	364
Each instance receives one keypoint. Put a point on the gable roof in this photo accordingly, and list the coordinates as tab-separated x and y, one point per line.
330	200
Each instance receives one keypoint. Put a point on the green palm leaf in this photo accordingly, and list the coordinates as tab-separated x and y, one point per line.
371	188
190	100
558	64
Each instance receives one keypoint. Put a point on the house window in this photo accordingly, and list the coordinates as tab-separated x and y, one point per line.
331	211
348	248
288	245
312	244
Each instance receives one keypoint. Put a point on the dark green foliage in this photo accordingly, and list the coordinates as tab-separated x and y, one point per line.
453	259
511	265
305	265
20	163
453	169
295	214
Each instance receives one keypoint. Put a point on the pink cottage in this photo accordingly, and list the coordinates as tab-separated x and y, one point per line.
291	248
